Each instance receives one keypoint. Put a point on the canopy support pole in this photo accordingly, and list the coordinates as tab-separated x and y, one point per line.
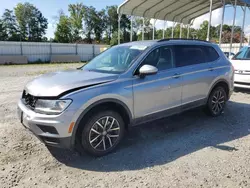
222	22
143	27
243	25
232	32
164	26
163	31
172	36
153	37
188	31
210	19
119	28
180	30
131	28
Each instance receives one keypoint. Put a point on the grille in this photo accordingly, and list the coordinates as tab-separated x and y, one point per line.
29	100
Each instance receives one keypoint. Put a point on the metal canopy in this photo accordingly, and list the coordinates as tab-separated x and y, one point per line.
182	11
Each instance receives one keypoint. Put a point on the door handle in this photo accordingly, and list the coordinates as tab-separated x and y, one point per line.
176	75
211	69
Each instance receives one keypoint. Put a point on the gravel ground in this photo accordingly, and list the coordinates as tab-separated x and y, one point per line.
188	150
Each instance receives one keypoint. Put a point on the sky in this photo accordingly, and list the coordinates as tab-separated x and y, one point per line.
50	9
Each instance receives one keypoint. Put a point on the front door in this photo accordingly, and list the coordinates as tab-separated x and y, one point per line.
159	94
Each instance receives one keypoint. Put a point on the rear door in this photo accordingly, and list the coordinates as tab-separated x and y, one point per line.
196	68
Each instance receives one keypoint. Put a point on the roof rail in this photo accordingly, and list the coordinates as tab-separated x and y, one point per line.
168	39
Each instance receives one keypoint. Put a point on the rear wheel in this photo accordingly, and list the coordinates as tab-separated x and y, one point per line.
217	101
102	133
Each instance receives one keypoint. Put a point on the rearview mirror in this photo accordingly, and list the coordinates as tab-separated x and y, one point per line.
147	70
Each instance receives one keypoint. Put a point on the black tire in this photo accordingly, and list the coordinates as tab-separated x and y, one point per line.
89	133
216	101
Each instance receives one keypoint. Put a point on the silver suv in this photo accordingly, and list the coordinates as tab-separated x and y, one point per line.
91	108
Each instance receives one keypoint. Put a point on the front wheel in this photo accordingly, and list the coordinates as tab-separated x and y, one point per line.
217	101
102	133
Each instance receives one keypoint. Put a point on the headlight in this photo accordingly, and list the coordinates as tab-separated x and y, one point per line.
51	107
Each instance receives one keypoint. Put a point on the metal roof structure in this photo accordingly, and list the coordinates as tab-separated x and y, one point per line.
182	11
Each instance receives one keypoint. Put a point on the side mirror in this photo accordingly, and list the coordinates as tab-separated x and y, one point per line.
147	70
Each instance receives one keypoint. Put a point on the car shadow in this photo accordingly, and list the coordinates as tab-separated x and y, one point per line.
166	140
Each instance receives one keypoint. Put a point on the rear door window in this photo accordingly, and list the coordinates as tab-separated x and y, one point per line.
186	55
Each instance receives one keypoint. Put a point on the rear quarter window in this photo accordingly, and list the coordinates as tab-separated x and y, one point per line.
211	53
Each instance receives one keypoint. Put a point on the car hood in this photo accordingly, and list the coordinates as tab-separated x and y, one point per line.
56	83
241	64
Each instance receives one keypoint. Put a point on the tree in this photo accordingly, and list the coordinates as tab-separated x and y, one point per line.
3	33
202	32
9	23
138	28
100	24
226	37
111	21
114	39
89	14
125	26
226	28
32	24
63	30
44	39
226	33
76	18
137	25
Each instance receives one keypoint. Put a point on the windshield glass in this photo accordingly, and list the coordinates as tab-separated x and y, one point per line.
116	59
243	54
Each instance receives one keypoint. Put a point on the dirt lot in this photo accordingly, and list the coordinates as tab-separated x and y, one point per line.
188	150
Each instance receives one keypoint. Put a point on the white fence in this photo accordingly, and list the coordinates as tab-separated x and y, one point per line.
41	51
235	47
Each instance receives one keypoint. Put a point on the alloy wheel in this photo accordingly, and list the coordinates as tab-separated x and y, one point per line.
104	133
218	102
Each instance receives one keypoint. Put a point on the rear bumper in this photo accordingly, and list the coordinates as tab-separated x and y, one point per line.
242	81
242	85
50	130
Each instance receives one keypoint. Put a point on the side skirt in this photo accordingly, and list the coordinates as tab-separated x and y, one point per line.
168	112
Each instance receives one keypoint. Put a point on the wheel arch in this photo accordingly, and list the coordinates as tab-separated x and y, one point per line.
221	82
115	104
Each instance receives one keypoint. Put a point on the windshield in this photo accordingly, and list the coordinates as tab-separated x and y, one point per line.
243	54
116	59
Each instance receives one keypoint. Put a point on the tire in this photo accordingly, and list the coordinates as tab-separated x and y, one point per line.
102	133
216	101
